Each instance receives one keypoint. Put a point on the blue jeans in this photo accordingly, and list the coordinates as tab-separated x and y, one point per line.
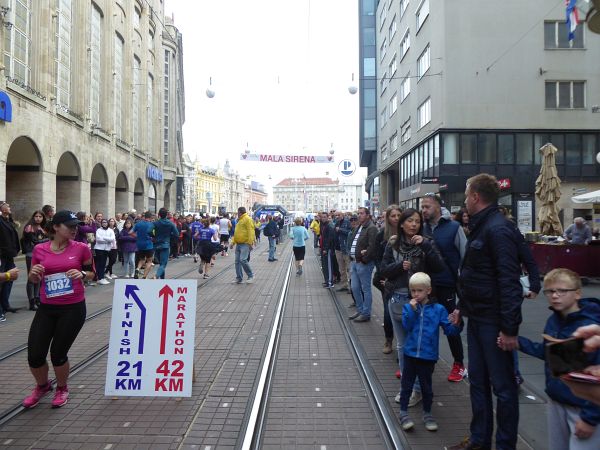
129	263
272	247
491	368
421	371
395	305
360	281
242	253
163	258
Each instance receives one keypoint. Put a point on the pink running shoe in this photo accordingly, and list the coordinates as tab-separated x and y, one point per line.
61	396
36	395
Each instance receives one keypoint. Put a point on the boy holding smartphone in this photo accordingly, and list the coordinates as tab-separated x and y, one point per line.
572	421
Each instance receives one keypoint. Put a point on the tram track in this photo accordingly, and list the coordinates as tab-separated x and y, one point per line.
13	411
386	419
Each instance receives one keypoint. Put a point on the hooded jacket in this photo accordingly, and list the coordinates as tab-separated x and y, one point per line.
563	327
422	329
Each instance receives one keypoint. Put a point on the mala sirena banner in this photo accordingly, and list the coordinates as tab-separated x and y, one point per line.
300	159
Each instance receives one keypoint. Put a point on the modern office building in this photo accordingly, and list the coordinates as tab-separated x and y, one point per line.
479	86
91	106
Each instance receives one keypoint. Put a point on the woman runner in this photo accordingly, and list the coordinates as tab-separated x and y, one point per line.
61	265
206	247
299	234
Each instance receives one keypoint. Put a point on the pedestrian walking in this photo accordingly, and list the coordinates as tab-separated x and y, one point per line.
164	232
113	254
327	245
244	237
271	231
61	265
299	236
34	233
142	231
105	239
363	251
490	296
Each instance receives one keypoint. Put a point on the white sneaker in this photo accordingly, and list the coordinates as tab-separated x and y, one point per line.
397	398
250	280
114	277
127	276
103	281
415	398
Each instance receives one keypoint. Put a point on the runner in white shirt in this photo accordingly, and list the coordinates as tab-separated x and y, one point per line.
224	227
215	239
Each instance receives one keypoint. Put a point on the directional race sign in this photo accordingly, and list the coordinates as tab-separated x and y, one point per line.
346	167
151	349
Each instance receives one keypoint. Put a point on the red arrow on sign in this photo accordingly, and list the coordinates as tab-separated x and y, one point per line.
165	293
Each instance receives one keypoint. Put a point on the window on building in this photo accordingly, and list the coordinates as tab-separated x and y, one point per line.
588	148
486	148
95	64
384	117
524	148
394	143
369	67
135	110
565	94
506	149
369	36
422	13
150	113
573	149
137	18
403	6
468	149
383	83
405	87
393	104
424	114
384	152
436	154
17	43
63	53
383	13
392	29
404	44
369	96
383	50
151	40
393	66
368	7
370	128
450	143
556	35
405	131
423	62
118	86
166	109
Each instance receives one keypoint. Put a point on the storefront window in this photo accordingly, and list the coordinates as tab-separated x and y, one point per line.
524	149
539	140
487	148
558	140
573	149
450	142
506	149
589	148
468	149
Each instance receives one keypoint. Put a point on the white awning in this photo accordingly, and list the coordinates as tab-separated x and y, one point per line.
588	197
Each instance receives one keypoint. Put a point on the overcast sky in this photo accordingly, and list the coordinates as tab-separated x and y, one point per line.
280	70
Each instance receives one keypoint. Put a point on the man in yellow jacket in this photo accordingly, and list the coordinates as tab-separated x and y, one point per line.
244	238
315	226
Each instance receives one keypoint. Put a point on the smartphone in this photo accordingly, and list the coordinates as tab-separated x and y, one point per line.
566	356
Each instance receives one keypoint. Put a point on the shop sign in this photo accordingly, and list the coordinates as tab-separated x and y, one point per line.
525	215
151	347
433	180
504	183
153	173
5	107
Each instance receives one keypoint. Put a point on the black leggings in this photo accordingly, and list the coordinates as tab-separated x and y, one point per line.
54	327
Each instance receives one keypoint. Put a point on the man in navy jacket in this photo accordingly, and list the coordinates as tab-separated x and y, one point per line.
490	296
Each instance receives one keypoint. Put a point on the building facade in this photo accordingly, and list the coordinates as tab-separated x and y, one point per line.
310	195
458	95
254	194
234	194
96	93
209	189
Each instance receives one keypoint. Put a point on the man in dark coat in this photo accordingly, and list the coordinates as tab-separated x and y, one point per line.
9	248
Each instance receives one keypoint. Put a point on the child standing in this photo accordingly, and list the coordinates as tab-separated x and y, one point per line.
572	421
421	320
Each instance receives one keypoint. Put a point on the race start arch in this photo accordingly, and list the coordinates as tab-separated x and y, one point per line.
262	211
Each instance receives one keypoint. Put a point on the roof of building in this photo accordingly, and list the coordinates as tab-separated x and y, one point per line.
307	181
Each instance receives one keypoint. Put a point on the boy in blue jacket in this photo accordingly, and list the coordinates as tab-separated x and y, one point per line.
572	421
421	320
